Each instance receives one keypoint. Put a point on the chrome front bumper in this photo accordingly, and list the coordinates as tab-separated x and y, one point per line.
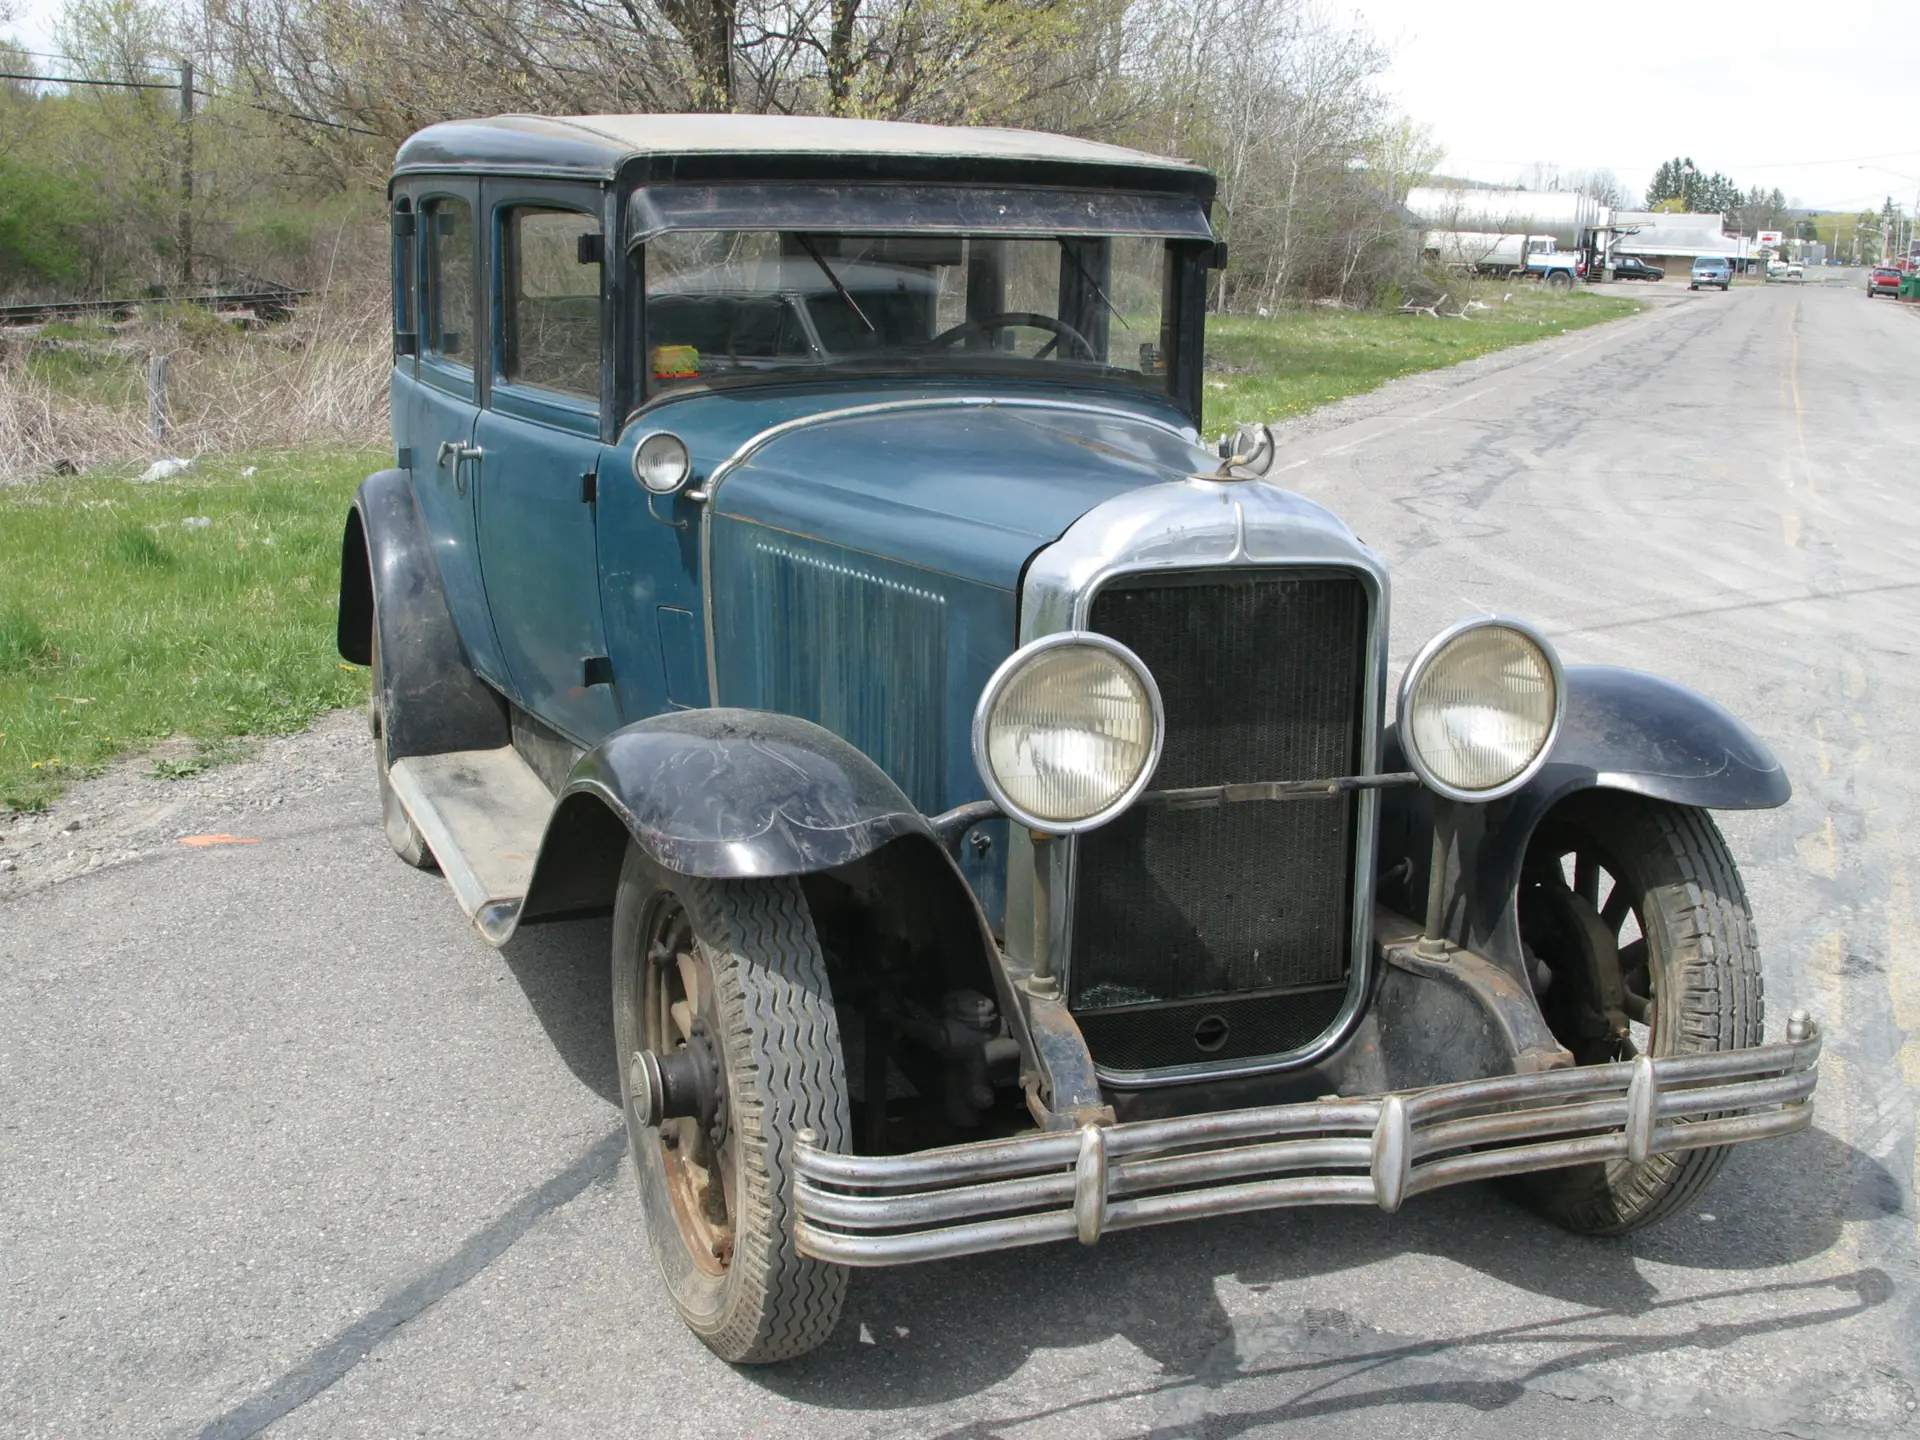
1379	1150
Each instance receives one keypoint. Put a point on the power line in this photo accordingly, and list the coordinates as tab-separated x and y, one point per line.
203	94
116	84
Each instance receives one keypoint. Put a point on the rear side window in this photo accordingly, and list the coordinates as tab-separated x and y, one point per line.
448	311
551	279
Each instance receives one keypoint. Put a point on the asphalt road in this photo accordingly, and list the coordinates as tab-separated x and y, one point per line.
286	1148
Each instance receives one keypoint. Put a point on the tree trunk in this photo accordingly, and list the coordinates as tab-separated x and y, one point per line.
840	56
707	28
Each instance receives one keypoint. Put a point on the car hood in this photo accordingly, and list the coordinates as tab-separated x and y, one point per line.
967	488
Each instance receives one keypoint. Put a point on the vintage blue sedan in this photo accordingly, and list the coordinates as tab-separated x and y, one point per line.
800	545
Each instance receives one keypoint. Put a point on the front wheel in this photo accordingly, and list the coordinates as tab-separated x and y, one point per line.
1642	940
728	1048
1560	281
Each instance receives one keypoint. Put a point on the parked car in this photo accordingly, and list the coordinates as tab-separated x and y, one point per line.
1795	270
1883	280
800	547
1711	270
1632	267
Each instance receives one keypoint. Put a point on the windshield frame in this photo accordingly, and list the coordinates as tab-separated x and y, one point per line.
1180	222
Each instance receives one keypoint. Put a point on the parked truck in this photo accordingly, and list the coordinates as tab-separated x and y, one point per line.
1556	236
1491	253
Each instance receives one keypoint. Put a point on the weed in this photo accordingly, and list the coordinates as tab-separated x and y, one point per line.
206	755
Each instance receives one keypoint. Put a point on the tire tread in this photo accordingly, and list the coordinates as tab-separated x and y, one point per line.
1694	894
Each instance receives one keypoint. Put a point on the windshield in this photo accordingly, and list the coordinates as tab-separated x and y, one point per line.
739	306
1708	264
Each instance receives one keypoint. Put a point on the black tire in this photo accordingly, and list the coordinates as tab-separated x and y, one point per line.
1559	280
728	1259
1695	968
402	834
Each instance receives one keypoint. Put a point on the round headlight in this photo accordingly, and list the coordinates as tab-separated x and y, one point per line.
1479	708
1067	732
661	462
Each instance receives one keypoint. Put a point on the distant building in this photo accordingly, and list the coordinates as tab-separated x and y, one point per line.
1674	242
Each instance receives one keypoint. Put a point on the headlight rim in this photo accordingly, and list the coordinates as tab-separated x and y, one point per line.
1416	670
997	682
686	463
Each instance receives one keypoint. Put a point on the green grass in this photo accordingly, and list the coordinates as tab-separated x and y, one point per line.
119	626
1268	369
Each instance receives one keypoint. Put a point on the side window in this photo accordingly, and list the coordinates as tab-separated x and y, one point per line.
405	340
550	331
448	310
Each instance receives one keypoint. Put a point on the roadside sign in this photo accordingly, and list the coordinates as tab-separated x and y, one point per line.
1770	237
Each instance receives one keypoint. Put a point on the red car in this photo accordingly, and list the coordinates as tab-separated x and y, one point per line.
1883	280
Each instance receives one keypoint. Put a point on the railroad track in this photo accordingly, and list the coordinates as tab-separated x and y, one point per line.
269	306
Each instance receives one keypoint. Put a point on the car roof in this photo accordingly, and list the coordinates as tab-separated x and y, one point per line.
739	147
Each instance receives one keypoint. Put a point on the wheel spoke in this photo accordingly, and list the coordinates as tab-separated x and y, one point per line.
689	979
1586	878
1633	956
1619	905
683	1019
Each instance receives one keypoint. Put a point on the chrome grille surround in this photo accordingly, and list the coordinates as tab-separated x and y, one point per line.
1195	526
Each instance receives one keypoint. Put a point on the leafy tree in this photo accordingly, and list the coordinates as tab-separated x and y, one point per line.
43	222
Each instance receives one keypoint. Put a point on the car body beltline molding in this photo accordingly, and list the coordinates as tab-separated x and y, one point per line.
1378	1150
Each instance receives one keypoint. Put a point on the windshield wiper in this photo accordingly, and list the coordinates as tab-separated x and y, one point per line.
1067	250
833	279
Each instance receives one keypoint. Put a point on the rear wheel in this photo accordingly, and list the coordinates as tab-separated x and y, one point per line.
402	834
1635	916
720	986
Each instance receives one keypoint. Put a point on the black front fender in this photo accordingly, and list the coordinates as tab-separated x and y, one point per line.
1623	730
723	794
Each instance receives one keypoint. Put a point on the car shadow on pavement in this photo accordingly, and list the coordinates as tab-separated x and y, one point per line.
567	977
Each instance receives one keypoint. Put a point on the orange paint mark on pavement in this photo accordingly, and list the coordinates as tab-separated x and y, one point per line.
218	840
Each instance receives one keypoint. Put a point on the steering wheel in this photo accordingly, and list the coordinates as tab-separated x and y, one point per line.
1006	320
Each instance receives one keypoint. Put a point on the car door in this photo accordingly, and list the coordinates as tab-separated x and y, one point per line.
439	405
539	437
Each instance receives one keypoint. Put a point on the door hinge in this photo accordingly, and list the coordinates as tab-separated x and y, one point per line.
589	249
403	458
590	488
597	670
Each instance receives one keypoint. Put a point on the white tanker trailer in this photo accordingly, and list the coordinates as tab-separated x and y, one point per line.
1553	235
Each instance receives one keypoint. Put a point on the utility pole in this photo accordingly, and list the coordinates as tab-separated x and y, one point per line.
186	174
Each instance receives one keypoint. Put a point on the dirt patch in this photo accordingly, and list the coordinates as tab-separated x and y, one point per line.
145	803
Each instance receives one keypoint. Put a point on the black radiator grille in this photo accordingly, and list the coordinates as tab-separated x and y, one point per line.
1263	679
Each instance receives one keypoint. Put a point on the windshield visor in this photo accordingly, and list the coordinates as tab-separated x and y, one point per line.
738	306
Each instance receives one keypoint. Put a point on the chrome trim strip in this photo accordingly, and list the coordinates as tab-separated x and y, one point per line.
1195	526
710	490
1379	1150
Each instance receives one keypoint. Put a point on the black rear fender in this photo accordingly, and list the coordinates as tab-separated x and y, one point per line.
432	701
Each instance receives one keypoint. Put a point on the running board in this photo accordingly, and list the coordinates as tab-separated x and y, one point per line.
482	813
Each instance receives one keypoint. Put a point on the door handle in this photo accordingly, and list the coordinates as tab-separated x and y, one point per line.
461	453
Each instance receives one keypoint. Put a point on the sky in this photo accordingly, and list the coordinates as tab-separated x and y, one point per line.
1796	96
1771	93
